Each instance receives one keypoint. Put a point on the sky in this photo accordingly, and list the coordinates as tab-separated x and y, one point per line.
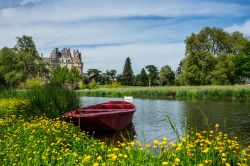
106	32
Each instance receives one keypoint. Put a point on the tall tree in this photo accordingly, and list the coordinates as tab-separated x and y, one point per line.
166	75
197	68
215	41
127	74
94	74
152	75
224	72
59	76
180	68
242	66
73	77
28	57
246	49
142	78
27	45
111	74
11	73
201	52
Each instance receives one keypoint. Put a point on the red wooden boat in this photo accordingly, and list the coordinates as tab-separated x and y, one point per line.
112	115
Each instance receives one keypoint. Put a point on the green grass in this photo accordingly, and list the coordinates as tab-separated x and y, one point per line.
44	141
50	101
174	92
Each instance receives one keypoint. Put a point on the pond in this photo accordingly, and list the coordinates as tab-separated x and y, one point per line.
150	121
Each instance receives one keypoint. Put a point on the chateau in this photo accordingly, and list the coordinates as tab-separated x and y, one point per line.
65	58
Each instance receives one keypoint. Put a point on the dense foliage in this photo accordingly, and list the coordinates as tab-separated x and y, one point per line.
62	76
214	56
21	62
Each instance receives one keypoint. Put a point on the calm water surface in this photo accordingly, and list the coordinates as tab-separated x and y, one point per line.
150	120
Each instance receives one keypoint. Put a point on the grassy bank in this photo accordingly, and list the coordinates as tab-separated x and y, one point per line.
174	92
46	140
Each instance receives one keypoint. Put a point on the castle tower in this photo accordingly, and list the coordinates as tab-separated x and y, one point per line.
77	60
64	58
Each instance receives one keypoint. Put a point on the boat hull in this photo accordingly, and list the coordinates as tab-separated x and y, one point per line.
111	116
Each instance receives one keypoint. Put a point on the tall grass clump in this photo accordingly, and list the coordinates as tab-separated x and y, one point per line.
50	101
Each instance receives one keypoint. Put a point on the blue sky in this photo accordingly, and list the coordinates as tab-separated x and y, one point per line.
108	31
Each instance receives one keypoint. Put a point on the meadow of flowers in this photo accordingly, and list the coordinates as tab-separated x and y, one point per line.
45	141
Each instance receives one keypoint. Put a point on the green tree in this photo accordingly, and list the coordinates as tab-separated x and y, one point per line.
242	66
201	50
59	76
246	49
224	72
142	78
27	45
166	76
28	57
73	77
127	74
11	73
152	75
197	68
215	41
94	74
111	74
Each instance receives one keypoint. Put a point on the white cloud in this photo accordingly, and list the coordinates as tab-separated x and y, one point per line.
106	58
25	2
244	28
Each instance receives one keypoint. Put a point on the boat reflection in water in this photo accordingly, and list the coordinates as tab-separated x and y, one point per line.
112	137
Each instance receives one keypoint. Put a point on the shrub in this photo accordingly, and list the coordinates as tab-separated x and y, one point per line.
32	82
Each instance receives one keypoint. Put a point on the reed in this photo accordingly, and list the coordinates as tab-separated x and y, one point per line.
50	101
174	92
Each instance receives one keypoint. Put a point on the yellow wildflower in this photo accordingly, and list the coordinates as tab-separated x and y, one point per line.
177	160
164	163
155	142
99	158
95	164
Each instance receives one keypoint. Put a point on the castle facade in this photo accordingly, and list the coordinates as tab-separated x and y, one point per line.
64	58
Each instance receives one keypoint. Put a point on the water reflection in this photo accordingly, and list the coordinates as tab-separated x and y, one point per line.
112	137
150	120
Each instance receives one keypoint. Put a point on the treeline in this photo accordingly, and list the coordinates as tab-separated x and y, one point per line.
21	66
212	57
149	76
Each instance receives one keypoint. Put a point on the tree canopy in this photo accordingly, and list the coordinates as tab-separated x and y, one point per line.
213	56
166	76
152	75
